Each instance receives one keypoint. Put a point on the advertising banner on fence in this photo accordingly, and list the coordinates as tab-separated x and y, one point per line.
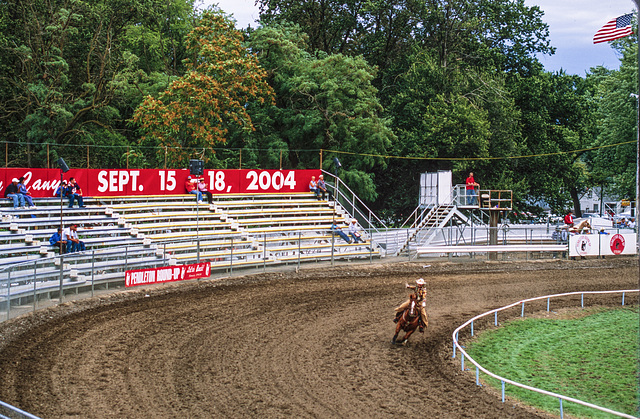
603	244
166	274
42	183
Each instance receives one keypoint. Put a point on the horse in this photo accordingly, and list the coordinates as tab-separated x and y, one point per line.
408	321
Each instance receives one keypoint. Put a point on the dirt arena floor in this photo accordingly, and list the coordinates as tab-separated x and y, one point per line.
308	344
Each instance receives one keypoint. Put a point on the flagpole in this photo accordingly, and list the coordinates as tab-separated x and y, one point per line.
637	2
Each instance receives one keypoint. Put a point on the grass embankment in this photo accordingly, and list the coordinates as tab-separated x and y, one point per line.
592	357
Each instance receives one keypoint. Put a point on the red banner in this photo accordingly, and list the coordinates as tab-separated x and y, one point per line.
166	274
42	183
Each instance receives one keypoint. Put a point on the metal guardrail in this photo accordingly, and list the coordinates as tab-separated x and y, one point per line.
463	353
51	277
11	412
354	205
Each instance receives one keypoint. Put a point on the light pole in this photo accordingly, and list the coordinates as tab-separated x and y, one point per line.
63	169
338	165
196	168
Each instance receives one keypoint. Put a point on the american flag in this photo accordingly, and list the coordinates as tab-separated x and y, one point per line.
614	29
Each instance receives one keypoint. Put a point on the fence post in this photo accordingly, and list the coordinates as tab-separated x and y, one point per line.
264	254
299	241
35	276
561	409
8	293
454	347
61	277
231	259
93	268
333	243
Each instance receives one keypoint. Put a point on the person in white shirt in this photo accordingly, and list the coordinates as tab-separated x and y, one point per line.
353	232
70	235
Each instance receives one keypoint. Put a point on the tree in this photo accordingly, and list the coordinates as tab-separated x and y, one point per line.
323	102
615	111
223	78
556	118
63	70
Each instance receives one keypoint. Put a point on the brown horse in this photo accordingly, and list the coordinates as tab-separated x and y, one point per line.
408	321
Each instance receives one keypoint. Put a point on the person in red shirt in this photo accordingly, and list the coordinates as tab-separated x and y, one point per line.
472	196
568	219
191	186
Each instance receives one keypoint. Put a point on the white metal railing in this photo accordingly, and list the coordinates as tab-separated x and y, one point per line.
8	411
503	381
354	205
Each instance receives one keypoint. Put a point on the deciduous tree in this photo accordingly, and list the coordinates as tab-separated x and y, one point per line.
223	78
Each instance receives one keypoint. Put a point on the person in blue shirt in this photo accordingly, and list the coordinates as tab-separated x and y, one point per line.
335	228
56	241
61	189
22	188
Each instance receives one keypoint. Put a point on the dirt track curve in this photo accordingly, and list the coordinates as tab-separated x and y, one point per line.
311	344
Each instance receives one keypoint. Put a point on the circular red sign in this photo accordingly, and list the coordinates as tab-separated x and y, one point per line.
617	244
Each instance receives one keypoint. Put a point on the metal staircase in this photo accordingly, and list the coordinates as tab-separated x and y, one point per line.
427	225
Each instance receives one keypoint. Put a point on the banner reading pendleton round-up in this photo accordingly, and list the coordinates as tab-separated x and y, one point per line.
150	276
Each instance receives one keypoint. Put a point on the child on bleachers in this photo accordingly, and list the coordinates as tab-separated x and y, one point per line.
202	187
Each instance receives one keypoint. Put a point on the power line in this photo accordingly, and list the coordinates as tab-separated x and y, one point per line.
483	158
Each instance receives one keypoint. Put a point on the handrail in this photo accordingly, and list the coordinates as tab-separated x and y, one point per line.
352	200
14	412
457	346
418	218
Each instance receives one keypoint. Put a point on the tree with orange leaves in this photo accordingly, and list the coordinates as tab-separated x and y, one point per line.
197	109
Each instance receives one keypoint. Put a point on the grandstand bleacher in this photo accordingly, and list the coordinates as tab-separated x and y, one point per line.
127	232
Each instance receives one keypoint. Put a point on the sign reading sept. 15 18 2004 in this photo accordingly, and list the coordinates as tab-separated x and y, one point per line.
114	182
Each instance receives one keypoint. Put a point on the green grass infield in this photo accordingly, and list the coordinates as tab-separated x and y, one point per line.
590	355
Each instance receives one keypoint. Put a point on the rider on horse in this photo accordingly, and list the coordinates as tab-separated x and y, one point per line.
421	297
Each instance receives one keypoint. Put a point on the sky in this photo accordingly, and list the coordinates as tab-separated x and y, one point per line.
572	24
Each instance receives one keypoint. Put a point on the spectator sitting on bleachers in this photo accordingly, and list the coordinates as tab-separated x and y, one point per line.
313	187
202	187
70	235
190	186
335	228
60	189
12	192
353	232
74	193
56	241
322	188
22	188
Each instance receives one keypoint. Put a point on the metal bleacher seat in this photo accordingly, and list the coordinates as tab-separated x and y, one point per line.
129	232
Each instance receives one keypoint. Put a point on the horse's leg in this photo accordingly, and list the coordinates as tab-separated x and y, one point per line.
407	335
398	327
